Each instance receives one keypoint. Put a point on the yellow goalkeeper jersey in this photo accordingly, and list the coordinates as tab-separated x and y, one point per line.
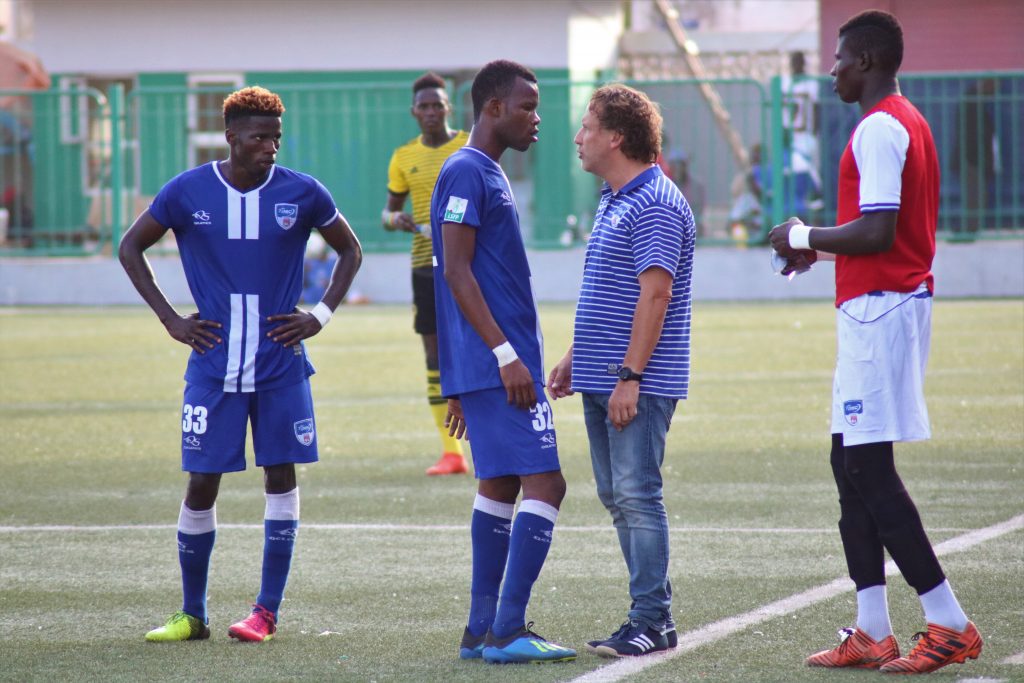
413	170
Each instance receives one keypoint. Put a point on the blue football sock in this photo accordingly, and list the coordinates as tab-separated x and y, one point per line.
197	530
531	539
489	530
280	527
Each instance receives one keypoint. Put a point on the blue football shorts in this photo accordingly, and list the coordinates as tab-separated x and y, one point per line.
507	441
213	427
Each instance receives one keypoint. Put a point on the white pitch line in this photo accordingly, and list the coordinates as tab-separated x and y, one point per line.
328	526
1014	659
720	629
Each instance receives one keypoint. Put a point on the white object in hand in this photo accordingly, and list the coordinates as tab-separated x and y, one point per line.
423	229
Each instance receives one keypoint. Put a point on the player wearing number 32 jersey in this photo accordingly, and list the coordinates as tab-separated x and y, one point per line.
241	227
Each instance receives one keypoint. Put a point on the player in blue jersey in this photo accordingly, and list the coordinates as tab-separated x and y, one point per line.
241	227
490	355
630	356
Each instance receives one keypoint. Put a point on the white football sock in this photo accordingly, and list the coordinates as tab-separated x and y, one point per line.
873	612
941	607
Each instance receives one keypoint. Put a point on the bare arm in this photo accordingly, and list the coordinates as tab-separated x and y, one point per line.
189	330
459	247
299	324
393	218
648	321
869	233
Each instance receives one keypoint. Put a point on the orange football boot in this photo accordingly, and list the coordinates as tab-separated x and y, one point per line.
937	647
449	463
857	650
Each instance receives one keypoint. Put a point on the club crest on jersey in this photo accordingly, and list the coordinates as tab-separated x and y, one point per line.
852	410
456	209
286	214
304	431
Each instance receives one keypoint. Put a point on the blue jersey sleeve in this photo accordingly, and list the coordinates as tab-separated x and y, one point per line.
324	208
460	194
164	208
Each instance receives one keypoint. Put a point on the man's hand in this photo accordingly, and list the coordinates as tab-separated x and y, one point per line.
779	237
294	327
560	378
193	332
402	221
455	421
622	404
519	385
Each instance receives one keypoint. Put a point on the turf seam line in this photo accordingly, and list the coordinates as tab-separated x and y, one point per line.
731	625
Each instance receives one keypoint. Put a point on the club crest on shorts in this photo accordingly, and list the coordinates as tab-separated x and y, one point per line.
304	431
286	214
852	410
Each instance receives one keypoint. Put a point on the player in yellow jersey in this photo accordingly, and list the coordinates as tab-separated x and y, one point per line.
413	171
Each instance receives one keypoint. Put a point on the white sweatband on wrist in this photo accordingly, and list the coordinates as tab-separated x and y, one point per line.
323	313
387	218
505	354
800	237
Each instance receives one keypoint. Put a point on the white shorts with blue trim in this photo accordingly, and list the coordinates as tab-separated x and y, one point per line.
883	340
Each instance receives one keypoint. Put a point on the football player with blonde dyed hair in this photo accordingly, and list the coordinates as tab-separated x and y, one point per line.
412	173
241	227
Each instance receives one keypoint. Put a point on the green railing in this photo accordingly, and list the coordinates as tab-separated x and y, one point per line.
77	165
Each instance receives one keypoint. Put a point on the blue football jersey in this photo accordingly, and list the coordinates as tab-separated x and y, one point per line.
473	190
242	253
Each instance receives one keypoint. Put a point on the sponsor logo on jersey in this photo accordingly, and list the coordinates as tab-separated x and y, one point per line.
304	431
456	209
852	410
506	199
548	440
201	217
192	443
286	214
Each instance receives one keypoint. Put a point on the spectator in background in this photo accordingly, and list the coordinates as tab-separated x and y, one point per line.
975	156
800	138
690	185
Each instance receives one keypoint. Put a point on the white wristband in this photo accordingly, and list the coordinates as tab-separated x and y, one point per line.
505	354
387	218
800	237
323	313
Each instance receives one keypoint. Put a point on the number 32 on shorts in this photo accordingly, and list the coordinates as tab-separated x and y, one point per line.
193	419
543	420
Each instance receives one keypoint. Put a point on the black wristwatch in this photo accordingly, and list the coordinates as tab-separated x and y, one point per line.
627	375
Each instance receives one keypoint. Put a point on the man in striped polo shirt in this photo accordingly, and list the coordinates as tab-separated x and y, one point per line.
630	357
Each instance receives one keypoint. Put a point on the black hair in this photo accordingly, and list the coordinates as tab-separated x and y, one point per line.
496	80
876	32
427	80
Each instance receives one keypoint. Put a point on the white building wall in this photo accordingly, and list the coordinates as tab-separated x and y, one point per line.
130	36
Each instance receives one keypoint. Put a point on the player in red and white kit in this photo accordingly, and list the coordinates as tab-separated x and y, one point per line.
883	245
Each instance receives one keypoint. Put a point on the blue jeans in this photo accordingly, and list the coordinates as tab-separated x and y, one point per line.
627	468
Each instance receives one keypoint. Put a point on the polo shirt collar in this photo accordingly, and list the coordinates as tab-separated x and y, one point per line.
643	178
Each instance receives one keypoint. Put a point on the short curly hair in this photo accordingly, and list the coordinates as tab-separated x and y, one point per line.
877	32
632	114
428	80
252	101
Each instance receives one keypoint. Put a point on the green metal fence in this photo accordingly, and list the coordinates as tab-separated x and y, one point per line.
77	165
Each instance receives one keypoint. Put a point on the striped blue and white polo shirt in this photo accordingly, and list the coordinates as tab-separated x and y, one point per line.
646	224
